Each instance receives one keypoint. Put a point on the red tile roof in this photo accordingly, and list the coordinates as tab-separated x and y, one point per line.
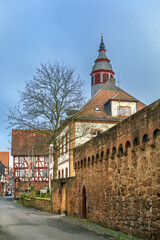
26	142
4	158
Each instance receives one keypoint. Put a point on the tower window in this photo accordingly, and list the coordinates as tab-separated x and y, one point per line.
105	77
97	78
92	80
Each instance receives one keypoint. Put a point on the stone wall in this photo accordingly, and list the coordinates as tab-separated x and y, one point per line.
64	196
118	176
38	203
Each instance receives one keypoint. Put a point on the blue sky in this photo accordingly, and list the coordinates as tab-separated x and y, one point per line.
35	31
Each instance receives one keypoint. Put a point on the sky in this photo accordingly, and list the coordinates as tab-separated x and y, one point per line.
36	31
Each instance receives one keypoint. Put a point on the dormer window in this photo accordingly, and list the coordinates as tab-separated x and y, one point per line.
97	109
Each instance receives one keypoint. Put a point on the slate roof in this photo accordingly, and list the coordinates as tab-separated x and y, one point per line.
4	158
26	142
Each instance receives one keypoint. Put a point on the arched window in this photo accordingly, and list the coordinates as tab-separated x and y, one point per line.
120	150
102	154
128	145
135	142
81	163
105	77
113	152
155	134
145	140
85	162
88	161
97	78
66	172
62	173
97	157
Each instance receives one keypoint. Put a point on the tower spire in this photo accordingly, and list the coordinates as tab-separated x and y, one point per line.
102	70
102	46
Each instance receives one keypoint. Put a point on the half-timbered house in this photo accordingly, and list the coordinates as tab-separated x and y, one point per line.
30	160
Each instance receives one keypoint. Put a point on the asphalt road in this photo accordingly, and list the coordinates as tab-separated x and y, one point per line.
20	223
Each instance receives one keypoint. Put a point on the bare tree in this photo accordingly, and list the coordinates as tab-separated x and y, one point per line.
45	100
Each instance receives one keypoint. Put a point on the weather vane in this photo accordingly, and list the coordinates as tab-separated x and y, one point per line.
101	34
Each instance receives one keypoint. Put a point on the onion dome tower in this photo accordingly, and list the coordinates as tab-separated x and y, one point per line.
101	71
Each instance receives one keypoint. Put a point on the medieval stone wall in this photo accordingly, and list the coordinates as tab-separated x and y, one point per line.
38	203
64	196
118	176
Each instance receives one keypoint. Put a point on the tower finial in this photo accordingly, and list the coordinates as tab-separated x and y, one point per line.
102	46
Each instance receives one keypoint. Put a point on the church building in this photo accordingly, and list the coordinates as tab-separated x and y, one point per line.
108	105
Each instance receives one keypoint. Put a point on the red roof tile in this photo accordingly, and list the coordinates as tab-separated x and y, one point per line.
26	142
4	158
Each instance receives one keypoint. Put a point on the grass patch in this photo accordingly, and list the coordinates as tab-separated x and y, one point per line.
19	203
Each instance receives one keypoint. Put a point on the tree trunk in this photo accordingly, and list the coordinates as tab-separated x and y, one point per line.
55	167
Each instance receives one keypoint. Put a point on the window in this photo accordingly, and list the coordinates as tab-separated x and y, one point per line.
124	111
45	172
92	80
21	189
16	159
21	159
66	172
22	173
105	77
59	174
127	111
120	111
97	109
97	78
62	173
47	159
95	133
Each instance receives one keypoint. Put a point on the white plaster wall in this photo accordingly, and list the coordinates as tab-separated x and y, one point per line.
83	131
115	104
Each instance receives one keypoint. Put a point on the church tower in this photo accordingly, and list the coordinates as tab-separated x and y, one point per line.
101	71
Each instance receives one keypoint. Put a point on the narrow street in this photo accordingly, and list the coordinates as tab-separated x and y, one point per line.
20	223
